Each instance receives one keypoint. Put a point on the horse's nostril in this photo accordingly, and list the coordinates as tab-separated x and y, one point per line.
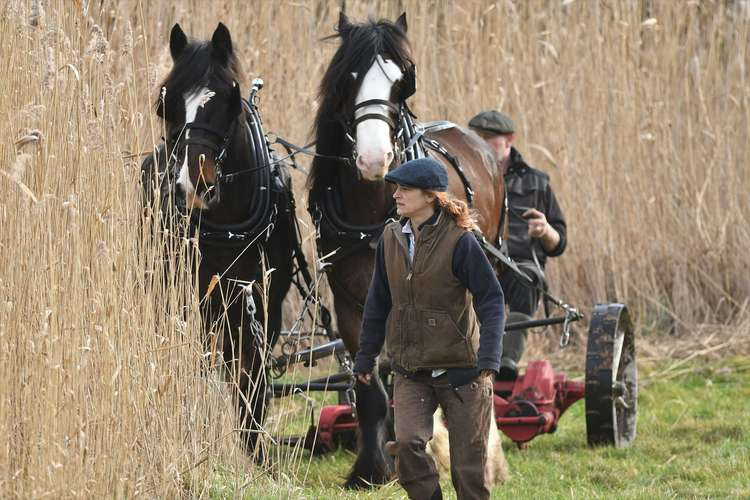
388	157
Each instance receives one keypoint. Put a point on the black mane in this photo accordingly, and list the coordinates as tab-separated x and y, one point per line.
360	44
197	65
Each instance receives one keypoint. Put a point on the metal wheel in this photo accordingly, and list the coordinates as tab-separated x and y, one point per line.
611	377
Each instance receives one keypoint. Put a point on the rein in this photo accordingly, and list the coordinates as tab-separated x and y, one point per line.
292	150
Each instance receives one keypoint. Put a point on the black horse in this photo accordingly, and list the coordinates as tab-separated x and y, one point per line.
214	172
362	129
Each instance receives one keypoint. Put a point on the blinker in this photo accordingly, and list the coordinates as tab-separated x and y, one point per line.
409	82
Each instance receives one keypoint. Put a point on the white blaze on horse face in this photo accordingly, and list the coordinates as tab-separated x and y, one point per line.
193	102
374	146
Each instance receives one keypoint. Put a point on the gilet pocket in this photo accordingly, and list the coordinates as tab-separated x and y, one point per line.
443	343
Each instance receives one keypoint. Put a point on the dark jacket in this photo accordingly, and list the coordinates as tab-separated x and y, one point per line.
465	268
529	188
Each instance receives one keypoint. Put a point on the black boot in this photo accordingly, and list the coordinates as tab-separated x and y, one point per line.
508	369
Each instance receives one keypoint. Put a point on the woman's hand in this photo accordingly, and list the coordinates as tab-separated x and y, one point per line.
364	378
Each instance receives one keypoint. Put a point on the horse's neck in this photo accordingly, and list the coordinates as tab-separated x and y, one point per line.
363	202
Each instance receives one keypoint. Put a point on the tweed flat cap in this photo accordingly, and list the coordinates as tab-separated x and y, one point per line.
423	173
493	121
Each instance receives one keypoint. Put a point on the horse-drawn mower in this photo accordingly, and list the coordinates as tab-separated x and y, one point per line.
525	407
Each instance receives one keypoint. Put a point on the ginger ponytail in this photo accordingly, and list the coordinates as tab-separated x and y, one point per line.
465	217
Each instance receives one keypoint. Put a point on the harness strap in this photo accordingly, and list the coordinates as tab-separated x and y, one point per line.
293	150
377	102
374	116
414	139
436	146
199	141
205	126
572	312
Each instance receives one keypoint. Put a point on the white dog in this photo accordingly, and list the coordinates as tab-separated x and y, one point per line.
439	449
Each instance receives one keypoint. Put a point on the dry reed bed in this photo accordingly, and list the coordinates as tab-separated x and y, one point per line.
640	112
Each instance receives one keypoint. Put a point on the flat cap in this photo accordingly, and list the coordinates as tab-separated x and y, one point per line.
493	121
423	173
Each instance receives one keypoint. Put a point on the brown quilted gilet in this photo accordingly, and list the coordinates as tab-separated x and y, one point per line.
432	322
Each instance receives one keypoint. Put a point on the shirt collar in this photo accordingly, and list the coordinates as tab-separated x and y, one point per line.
517	165
406	228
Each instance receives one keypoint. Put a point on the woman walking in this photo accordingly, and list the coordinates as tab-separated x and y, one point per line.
431	289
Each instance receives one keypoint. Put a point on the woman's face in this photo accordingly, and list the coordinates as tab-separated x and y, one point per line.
412	201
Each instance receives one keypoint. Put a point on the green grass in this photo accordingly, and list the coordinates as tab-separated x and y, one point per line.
693	442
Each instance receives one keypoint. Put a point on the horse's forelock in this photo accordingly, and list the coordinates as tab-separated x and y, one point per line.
196	67
359	45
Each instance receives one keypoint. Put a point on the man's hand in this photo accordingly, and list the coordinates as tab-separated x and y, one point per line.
537	222
364	378
540	228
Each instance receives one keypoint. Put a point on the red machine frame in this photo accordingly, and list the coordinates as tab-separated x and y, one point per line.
534	402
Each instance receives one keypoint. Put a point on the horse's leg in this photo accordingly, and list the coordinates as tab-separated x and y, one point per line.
372	465
249	350
251	387
256	348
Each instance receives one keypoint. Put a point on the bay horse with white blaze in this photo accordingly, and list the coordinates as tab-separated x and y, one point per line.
363	128
215	172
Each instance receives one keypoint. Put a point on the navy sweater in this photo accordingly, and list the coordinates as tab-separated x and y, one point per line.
471	267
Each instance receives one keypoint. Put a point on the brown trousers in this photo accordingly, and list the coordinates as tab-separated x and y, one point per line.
468	411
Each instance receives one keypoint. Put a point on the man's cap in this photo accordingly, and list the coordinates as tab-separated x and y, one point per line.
423	173
493	121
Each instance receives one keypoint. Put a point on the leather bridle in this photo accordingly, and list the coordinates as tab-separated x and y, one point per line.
213	192
376	116
220	149
407	88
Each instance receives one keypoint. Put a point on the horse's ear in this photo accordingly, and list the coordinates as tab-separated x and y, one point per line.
170	108
222	42
401	22
344	23
160	103
235	99
177	41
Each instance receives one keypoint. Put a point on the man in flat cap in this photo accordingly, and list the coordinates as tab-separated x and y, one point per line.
537	229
